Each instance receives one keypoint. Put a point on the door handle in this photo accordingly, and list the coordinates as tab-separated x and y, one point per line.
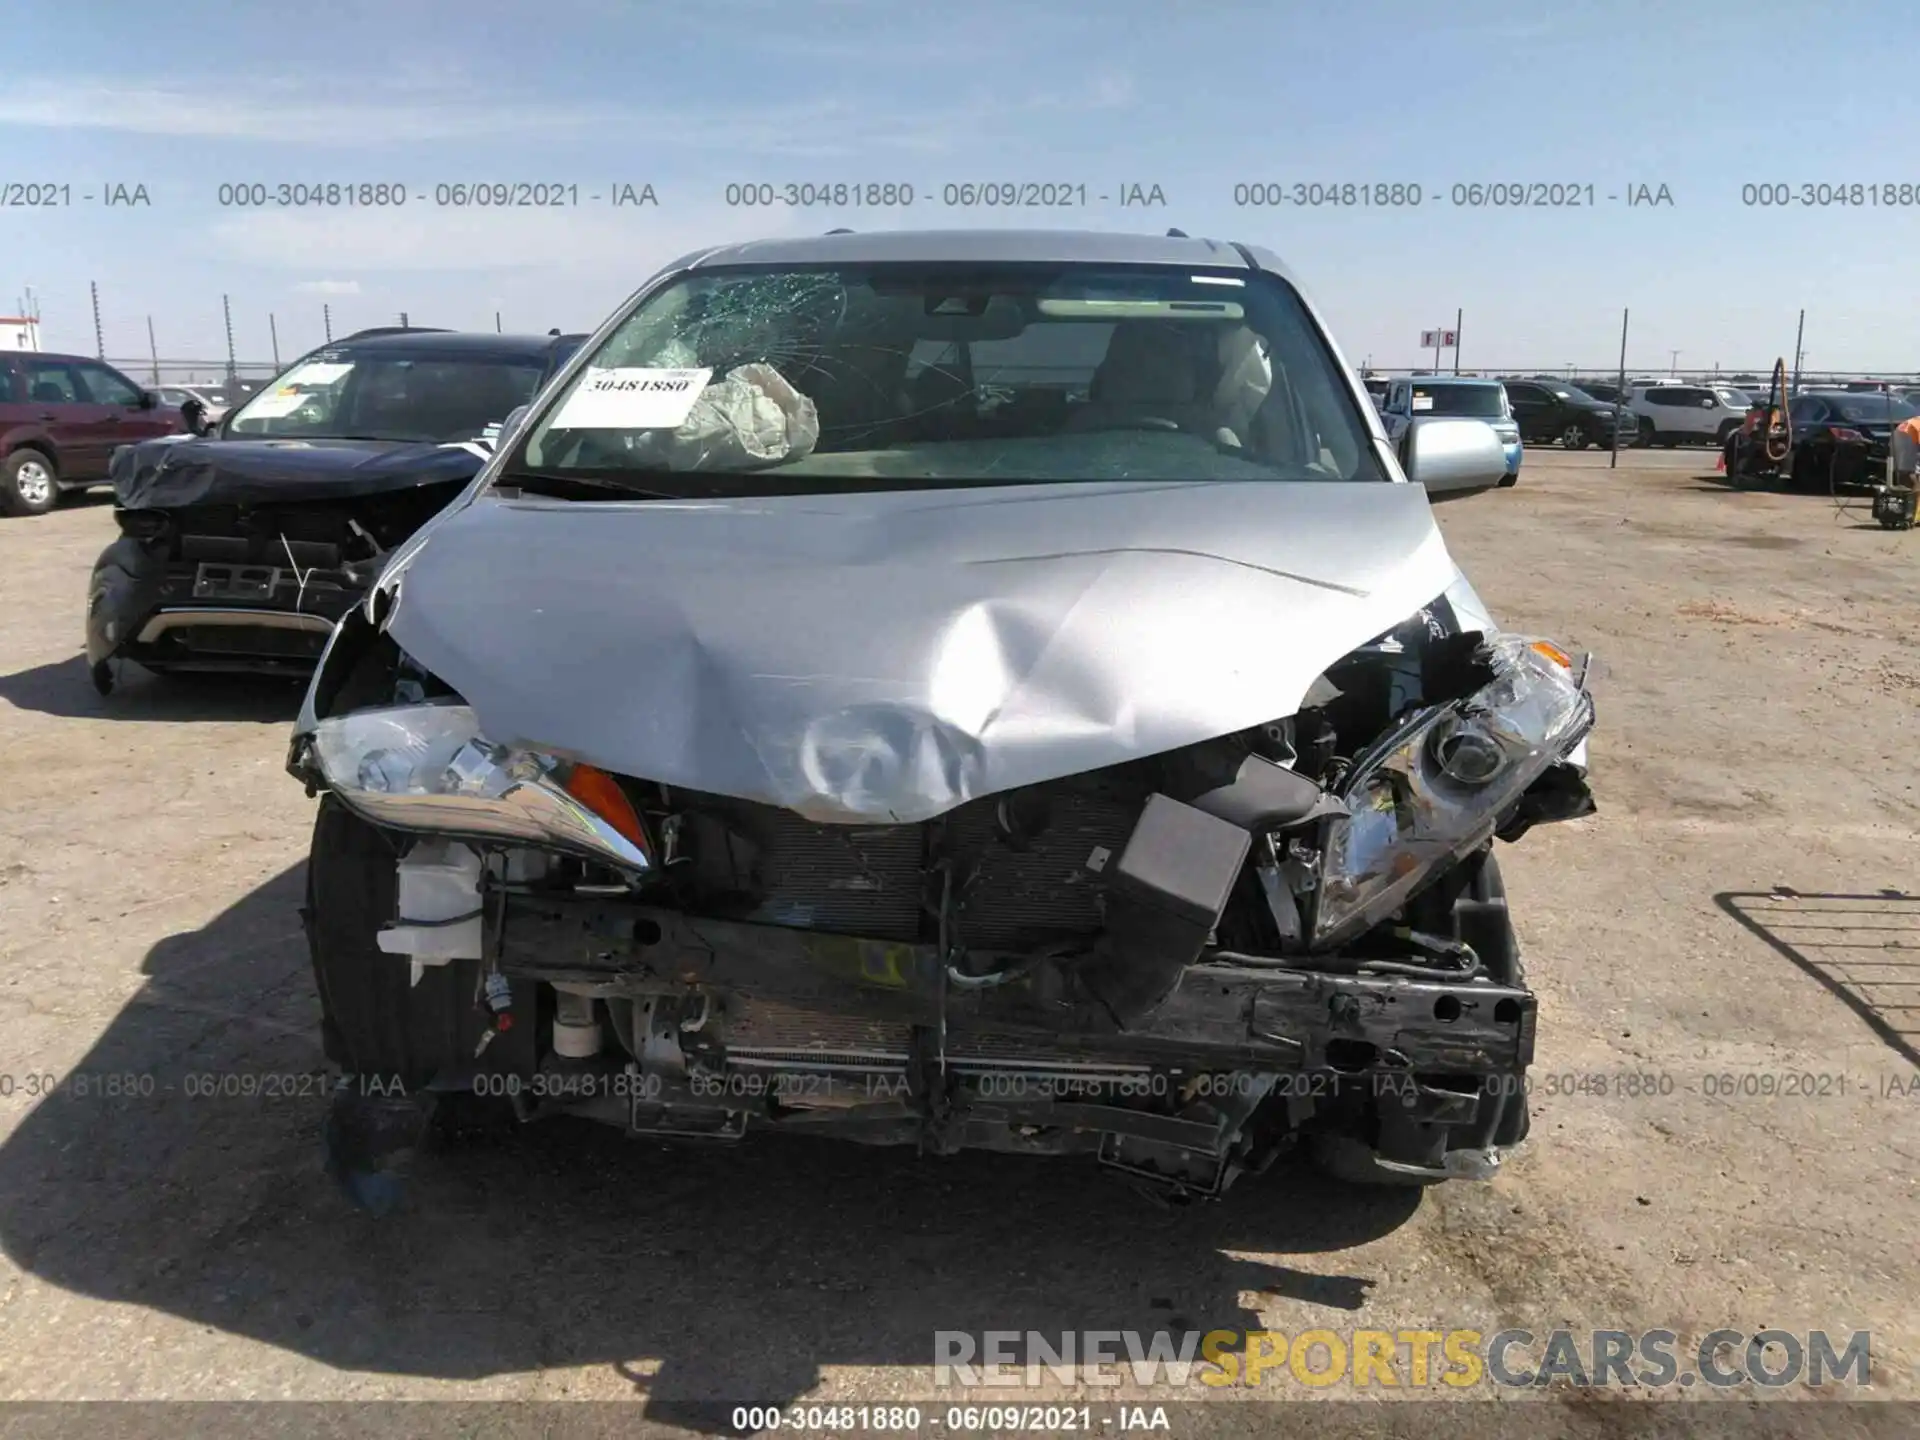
49	415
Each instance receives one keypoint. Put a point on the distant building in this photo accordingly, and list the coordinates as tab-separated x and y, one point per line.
19	332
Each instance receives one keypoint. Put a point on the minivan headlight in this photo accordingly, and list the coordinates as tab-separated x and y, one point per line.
428	768
1438	786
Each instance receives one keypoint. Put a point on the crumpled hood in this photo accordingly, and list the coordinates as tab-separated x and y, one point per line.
863	657
170	472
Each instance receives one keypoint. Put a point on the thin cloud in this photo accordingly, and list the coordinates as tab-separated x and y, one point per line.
291	113
630	243
328	287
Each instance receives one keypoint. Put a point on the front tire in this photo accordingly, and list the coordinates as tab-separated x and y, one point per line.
1575	437
1643	435
29	483
376	1025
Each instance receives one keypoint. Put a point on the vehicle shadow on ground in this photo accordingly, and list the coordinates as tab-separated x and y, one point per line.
696	1275
64	688
1864	948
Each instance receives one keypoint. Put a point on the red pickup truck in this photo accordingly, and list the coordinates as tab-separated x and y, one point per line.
61	418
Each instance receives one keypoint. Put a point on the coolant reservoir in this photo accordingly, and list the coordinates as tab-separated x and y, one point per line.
439	882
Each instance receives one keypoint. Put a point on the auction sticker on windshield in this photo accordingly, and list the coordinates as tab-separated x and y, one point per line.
279	404
632	399
322	373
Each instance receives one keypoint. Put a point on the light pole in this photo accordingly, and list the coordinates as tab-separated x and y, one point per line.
1673	363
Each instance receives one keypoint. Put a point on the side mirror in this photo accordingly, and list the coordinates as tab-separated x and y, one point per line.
147	401
1442	453
195	415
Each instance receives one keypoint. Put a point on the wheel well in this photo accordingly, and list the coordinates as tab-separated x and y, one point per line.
39	447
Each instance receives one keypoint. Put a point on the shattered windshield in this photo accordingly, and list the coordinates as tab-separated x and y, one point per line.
344	395
902	375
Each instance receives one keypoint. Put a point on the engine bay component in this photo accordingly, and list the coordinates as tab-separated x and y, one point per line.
576	1024
1168	891
440	906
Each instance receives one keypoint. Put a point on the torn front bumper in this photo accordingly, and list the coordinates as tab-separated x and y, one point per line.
213	615
733	1025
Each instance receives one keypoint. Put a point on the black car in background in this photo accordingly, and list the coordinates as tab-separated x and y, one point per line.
1842	438
241	547
1554	412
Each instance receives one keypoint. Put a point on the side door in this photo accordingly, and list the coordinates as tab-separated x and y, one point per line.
16	417
1395	411
1696	412
130	417
1661	405
1534	410
59	405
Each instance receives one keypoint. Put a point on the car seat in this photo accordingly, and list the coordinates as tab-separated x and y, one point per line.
1149	379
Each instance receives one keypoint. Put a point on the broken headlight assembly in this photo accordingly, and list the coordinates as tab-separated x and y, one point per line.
1438	785
428	768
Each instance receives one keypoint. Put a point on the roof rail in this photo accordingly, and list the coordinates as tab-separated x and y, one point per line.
841	231
394	330
1178	235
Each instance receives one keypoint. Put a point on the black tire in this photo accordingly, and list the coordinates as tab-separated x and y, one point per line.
1507	482
29	482
1727	430
1643	434
375	1024
1576	437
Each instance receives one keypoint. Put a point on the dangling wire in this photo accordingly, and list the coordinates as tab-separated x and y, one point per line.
1779	429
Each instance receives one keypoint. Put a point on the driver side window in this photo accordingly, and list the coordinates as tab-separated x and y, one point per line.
107	387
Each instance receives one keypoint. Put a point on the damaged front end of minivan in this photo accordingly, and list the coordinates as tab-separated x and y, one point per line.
1182	964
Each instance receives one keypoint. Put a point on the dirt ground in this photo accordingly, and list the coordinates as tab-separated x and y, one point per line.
1745	906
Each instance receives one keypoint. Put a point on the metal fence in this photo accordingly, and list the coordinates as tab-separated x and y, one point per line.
195	372
1760	376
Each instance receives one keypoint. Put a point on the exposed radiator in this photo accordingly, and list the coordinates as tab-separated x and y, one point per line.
857	880
1028	866
1050	887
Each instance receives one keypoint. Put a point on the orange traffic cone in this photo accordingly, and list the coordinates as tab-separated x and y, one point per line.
1720	465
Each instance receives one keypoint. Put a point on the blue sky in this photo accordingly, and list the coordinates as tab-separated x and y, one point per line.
1192	96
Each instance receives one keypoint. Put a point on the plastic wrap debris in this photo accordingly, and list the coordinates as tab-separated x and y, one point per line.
174	471
752	418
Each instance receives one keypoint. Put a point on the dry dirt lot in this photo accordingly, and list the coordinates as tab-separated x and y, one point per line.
1744	909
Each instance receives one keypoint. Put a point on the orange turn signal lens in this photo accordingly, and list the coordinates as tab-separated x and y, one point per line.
1554	653
601	794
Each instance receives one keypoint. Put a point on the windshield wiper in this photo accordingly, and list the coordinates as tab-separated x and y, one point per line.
535	480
